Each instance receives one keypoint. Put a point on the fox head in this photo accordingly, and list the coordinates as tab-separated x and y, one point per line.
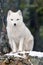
14	18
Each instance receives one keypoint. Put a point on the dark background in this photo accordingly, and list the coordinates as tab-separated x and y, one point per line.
33	18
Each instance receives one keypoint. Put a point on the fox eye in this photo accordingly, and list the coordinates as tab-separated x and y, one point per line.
17	19
11	19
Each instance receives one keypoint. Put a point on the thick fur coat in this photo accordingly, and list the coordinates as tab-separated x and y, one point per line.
20	37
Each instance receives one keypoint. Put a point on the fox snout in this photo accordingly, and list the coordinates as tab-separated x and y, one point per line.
14	24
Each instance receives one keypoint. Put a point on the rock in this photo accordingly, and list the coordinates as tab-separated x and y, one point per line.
21	61
4	45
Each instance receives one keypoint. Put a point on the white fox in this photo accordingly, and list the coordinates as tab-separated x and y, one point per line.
20	37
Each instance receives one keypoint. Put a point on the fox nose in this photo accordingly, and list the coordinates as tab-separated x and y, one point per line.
14	24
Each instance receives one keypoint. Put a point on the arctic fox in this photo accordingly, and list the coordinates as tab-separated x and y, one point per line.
20	37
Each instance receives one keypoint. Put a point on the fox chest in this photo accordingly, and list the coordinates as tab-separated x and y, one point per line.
17	35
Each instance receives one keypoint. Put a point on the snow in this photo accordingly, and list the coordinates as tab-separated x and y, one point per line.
35	53
31	53
15	55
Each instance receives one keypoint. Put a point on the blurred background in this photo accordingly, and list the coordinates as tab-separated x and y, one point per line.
32	11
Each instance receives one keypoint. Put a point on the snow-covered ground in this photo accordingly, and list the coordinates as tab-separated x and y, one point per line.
34	53
22	54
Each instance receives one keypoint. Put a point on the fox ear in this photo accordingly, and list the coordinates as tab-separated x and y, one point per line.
19	12
9	12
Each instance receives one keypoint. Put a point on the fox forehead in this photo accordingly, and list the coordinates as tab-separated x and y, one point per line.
14	14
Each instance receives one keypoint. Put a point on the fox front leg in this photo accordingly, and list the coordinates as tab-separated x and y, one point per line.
21	44
14	49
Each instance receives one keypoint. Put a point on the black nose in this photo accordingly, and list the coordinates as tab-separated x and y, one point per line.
14	24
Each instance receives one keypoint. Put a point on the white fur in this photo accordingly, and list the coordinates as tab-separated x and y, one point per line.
20	37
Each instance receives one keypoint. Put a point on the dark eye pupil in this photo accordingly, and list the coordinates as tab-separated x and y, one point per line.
11	19
17	19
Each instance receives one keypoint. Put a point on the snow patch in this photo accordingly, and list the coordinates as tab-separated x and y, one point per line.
23	54
35	53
